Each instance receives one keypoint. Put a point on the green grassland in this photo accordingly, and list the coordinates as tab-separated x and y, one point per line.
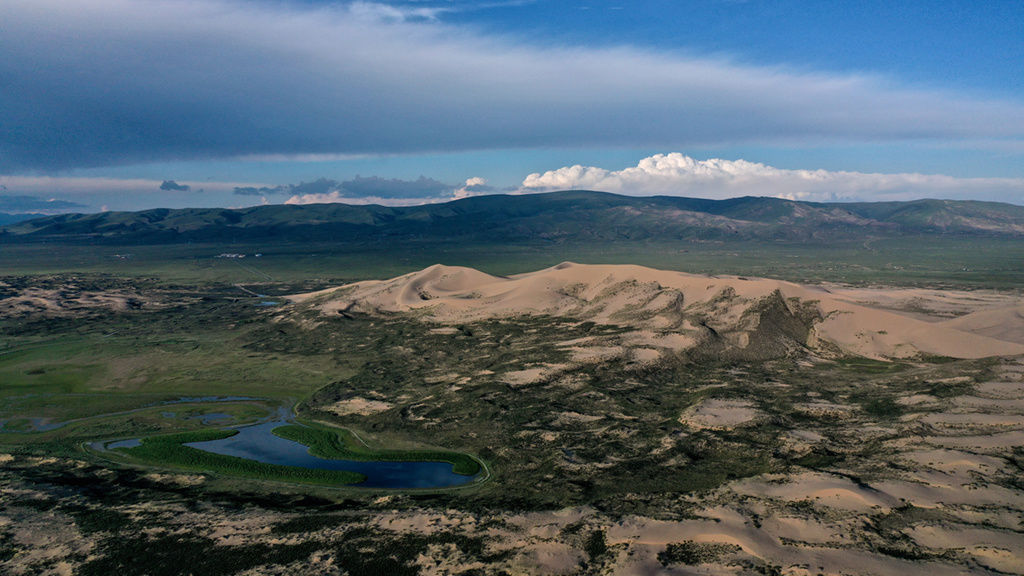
69	380
961	261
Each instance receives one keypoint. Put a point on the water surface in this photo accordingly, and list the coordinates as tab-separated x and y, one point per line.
258	443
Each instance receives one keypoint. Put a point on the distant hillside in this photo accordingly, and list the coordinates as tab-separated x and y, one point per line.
6	219
557	216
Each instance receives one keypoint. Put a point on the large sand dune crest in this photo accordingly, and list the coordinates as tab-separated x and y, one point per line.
754	316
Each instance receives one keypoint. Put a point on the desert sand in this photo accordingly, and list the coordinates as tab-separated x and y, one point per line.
675	309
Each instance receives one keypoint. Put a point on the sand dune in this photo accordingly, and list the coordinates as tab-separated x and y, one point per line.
1001	323
735	310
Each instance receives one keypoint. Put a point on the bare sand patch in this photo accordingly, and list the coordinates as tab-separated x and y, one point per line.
804	530
720	414
992	548
917	399
973	421
523	377
822	489
531	375
551	558
593	354
1001	390
1006	560
645	354
923	303
954	461
806	435
360	406
822	409
176	479
995	442
71	301
567	417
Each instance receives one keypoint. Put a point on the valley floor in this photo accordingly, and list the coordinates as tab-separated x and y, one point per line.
609	454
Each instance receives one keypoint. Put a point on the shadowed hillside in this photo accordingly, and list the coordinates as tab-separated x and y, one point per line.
557	217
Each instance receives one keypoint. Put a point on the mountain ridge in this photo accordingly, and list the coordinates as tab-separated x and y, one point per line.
554	216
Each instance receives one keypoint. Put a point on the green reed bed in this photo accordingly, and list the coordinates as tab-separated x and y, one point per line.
341	444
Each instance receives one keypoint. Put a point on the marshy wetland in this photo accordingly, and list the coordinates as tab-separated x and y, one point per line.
606	448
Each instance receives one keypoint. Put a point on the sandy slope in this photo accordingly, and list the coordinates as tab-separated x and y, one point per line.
669	302
1001	323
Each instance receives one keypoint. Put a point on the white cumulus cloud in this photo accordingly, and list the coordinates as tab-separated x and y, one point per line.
474	186
676	174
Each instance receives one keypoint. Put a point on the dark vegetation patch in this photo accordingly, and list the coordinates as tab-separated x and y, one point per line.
90	520
8	548
596	545
819	459
181	554
889	531
882	407
693	553
950	389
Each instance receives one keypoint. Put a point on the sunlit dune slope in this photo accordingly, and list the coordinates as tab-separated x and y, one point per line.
726	313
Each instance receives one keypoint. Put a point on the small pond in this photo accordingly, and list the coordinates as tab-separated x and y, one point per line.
214	418
257	442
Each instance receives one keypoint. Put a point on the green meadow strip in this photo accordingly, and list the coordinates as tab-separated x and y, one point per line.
169	450
341	444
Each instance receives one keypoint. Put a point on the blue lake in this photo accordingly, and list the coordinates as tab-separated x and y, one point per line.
130	443
258	443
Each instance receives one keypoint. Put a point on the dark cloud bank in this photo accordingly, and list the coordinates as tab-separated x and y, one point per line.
172	186
21	204
108	82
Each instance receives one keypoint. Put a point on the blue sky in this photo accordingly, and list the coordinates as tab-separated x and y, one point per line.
130	104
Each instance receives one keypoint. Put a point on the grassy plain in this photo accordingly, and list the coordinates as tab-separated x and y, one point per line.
972	262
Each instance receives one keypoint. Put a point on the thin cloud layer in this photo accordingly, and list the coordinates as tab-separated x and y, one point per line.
358	187
376	190
680	175
108	82
120	193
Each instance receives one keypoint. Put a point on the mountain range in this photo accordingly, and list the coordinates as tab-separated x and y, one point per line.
557	216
